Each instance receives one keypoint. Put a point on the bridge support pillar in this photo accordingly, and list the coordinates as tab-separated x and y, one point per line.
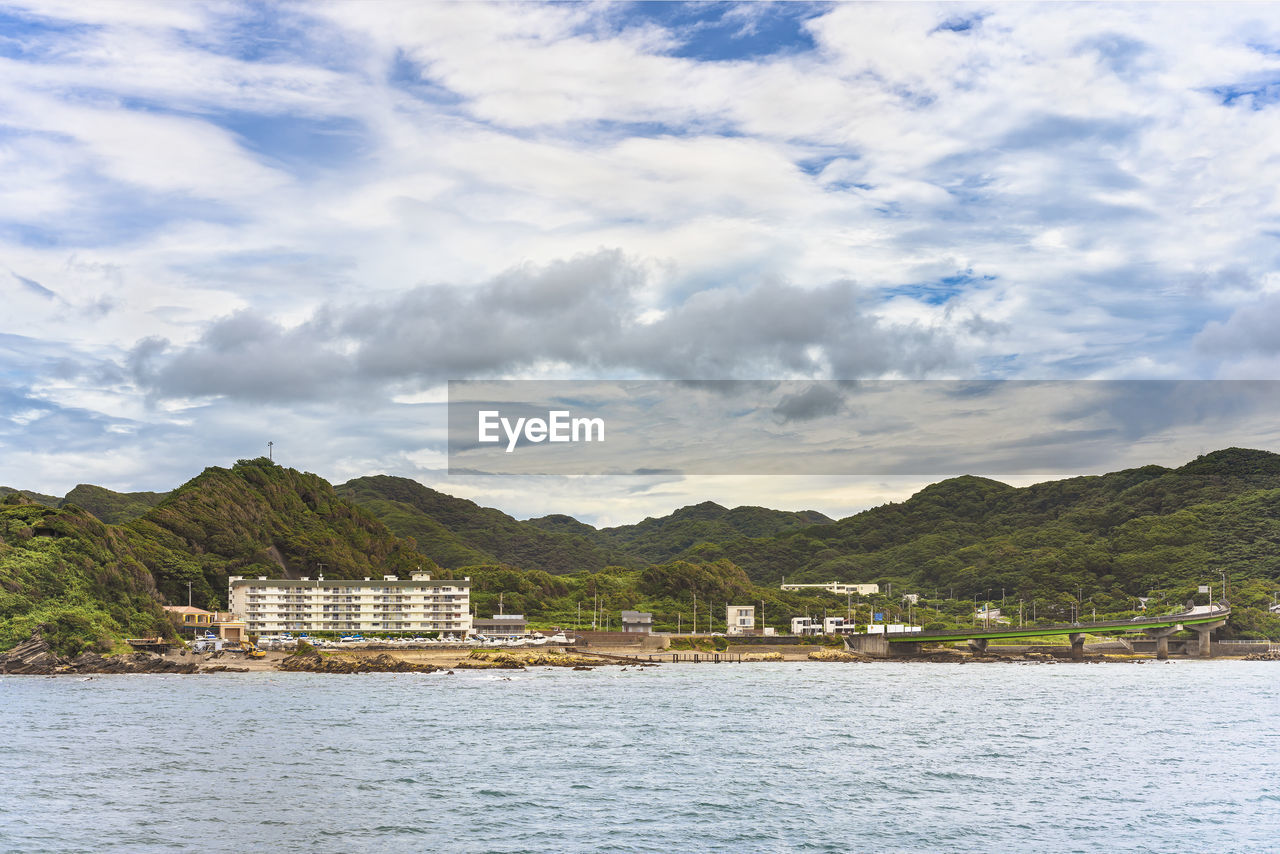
1077	647
875	645
1204	634
978	645
1162	640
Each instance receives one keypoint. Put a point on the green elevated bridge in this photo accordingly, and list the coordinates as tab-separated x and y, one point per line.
1203	620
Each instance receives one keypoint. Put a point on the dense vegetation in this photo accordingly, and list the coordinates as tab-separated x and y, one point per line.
1106	539
1054	550
258	518
455	532
672	592
38	498
80	581
114	508
656	540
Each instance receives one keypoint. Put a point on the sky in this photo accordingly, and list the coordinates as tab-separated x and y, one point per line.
223	224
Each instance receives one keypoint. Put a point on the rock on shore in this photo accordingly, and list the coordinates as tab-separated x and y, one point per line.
834	655
34	657
314	662
483	659
1269	655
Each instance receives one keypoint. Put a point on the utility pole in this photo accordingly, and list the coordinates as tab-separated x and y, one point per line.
188	594
695	612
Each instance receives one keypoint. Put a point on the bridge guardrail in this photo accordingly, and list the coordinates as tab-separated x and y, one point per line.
1191	617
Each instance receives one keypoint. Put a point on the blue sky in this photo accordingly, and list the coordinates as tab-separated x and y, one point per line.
228	223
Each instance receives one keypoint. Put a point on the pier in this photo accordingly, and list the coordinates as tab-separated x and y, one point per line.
696	657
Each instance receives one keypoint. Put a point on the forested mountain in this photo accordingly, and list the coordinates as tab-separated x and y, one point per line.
46	500
65	571
1086	542
660	539
258	518
111	507
456	532
1115	535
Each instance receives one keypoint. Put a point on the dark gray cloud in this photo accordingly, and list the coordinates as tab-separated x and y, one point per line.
816	401
583	314
245	357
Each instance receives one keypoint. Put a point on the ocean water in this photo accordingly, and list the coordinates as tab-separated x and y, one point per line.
779	757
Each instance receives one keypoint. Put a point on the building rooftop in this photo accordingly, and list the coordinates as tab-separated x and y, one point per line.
338	582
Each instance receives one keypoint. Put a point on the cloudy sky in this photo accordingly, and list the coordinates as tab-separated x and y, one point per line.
223	224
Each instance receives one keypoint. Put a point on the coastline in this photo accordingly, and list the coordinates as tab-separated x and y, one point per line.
35	658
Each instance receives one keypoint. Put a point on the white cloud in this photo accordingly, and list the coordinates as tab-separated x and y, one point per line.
170	165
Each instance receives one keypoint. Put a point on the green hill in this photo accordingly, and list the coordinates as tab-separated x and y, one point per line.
46	500
1109	538
111	507
80	581
1059	546
456	532
258	518
661	539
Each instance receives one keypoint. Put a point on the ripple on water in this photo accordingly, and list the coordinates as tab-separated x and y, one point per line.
783	757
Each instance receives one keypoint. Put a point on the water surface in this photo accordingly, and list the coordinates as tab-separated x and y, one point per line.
762	757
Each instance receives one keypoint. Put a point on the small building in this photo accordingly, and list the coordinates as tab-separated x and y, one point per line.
837	587
911	598
501	626
197	622
740	619
639	622
805	626
837	626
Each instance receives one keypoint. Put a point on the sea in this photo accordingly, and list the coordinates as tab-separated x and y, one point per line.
769	757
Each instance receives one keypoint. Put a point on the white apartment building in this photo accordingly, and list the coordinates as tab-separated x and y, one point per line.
271	605
838	588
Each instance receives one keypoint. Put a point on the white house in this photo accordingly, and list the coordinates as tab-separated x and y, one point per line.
740	619
805	626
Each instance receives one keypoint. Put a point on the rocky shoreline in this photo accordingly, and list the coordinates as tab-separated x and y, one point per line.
34	657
